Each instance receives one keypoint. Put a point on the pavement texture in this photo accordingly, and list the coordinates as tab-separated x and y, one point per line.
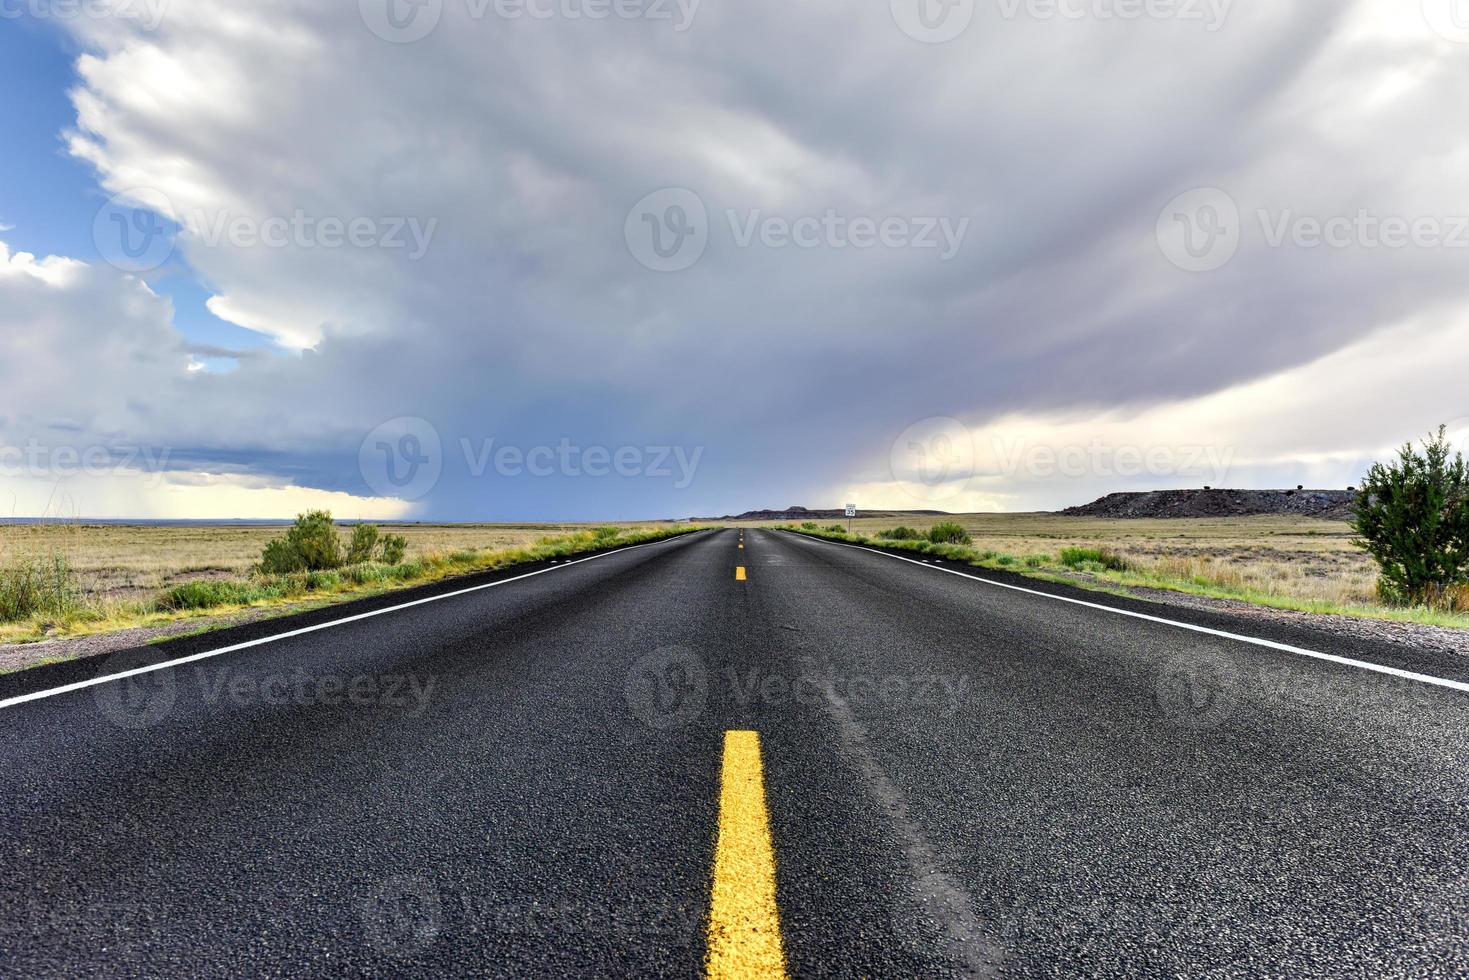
525	780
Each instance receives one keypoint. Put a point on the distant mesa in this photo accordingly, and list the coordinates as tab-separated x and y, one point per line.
1325	504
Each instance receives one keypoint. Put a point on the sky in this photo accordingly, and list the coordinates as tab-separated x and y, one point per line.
623	259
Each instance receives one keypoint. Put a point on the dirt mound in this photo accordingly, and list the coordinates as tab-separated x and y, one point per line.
1325	504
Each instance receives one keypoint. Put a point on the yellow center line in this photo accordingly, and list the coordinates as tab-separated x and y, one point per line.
744	920
739	573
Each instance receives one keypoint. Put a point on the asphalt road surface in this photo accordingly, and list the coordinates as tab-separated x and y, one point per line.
533	779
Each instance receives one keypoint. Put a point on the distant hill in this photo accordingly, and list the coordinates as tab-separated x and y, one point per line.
1325	504
802	514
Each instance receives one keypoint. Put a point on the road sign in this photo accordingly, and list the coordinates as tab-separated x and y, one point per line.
851	510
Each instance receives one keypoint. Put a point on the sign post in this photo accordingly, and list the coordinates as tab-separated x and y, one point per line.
851	513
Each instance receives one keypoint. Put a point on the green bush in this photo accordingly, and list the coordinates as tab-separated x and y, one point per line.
281	558
810	526
392	549
1412	517
900	534
949	533
206	594
36	586
1101	559
836	528
603	534
364	542
311	545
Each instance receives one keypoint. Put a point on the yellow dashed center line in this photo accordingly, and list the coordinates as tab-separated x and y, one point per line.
739	573
744	920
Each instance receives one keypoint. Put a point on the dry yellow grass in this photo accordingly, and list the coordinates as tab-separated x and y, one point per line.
1297	557
116	563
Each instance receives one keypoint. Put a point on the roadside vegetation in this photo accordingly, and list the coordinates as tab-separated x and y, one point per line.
314	561
1412	517
1299	564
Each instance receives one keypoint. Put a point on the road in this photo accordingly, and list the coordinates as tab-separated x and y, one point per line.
929	776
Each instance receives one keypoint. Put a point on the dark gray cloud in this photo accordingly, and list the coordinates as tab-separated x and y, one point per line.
509	151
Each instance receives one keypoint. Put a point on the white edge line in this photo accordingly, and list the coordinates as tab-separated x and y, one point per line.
1284	647
94	681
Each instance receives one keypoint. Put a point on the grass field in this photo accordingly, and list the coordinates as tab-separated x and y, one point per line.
1297	563
123	563
118	572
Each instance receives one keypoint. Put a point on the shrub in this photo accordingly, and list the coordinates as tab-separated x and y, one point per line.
900	534
606	533
949	533
281	558
319	580
836	528
311	544
1412	517
810	526
1100	558
36	586
364	542
392	549
205	594
1036	561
